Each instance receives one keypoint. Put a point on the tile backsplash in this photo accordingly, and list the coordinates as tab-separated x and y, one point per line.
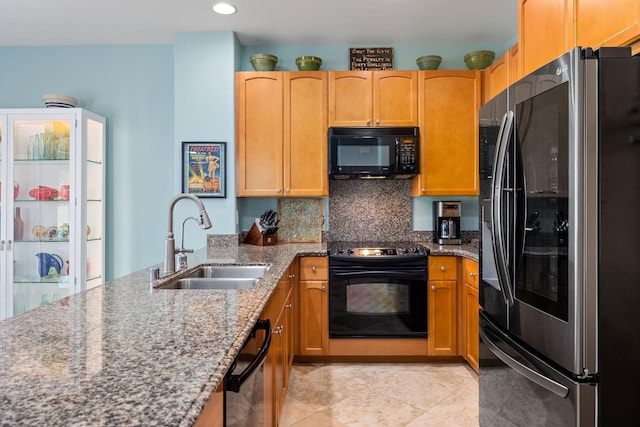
375	210
370	210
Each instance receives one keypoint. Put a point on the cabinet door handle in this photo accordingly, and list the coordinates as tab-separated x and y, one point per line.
368	122
313	268
288	306
433	287
443	268
287	190
278	190
323	288
2	245
377	121
472	274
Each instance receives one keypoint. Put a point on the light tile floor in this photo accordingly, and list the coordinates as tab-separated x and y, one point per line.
381	394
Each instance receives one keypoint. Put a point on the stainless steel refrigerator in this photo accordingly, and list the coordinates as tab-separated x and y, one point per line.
560	245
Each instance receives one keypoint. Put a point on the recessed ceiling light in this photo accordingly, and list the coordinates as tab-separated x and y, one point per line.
224	8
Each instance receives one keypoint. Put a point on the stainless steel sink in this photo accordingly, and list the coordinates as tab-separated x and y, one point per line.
230	271
211	283
219	277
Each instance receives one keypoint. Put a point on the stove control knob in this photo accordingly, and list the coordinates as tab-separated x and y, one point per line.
350	251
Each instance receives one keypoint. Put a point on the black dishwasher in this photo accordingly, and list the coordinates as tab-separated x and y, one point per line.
244	383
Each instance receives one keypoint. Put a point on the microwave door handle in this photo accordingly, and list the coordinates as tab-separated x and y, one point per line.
234	382
497	188
543	381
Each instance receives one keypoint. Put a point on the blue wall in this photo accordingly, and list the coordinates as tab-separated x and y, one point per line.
132	86
156	96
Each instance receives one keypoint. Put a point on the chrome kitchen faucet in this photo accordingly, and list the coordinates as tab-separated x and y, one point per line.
169	244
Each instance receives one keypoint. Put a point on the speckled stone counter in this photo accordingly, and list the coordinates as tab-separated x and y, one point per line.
467	250
127	354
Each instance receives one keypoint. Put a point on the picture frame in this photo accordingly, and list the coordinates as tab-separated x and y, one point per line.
204	172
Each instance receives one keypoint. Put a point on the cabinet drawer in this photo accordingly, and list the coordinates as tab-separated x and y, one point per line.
443	268
314	268
470	272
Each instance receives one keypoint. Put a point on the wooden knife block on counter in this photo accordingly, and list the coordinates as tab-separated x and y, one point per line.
255	237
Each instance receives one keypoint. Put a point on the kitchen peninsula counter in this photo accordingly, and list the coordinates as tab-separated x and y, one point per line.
126	354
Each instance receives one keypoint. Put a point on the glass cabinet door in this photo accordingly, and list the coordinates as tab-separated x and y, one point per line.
93	178
42	210
4	299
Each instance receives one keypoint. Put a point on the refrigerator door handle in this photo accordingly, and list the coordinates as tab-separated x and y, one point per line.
497	188
547	383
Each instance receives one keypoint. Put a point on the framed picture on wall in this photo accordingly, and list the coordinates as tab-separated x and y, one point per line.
204	169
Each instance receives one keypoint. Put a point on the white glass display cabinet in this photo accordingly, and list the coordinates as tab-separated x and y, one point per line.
52	216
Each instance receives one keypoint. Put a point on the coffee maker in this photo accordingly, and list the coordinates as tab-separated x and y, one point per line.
446	223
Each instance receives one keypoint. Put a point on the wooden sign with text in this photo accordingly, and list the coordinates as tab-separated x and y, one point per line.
371	58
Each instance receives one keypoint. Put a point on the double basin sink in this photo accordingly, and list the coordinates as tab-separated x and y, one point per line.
219	277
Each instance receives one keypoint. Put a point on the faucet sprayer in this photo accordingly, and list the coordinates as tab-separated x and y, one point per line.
169	244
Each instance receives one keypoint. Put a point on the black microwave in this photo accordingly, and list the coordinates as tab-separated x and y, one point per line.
373	152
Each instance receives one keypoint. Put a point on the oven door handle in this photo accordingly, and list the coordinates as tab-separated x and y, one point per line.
363	273
234	382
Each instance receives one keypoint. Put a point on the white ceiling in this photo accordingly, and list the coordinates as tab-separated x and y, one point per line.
259	22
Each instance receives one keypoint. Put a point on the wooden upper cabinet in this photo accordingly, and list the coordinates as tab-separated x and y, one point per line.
305	134
281	134
497	77
515	68
448	111
545	31
350	98
606	22
259	113
373	98
395	96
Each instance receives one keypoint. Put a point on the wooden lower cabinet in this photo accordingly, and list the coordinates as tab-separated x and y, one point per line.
280	310
442	306
470	312
213	413
313	329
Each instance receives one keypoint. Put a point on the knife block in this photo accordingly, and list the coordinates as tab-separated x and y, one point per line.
255	237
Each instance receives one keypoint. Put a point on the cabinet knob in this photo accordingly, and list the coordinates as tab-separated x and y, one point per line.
472	274
323	288
278	190
368	122
288	305
278	330
423	190
287	190
433	287
291	276
313	268
377	121
442	268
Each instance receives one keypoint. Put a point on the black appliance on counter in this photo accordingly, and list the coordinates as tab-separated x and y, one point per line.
377	290
374	152
560	324
446	223
244	383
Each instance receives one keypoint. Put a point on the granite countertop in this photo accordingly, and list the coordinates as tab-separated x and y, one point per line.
125	353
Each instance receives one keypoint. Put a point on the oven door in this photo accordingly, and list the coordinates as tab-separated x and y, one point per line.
378	302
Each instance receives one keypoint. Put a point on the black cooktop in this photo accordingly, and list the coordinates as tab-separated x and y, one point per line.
375	249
